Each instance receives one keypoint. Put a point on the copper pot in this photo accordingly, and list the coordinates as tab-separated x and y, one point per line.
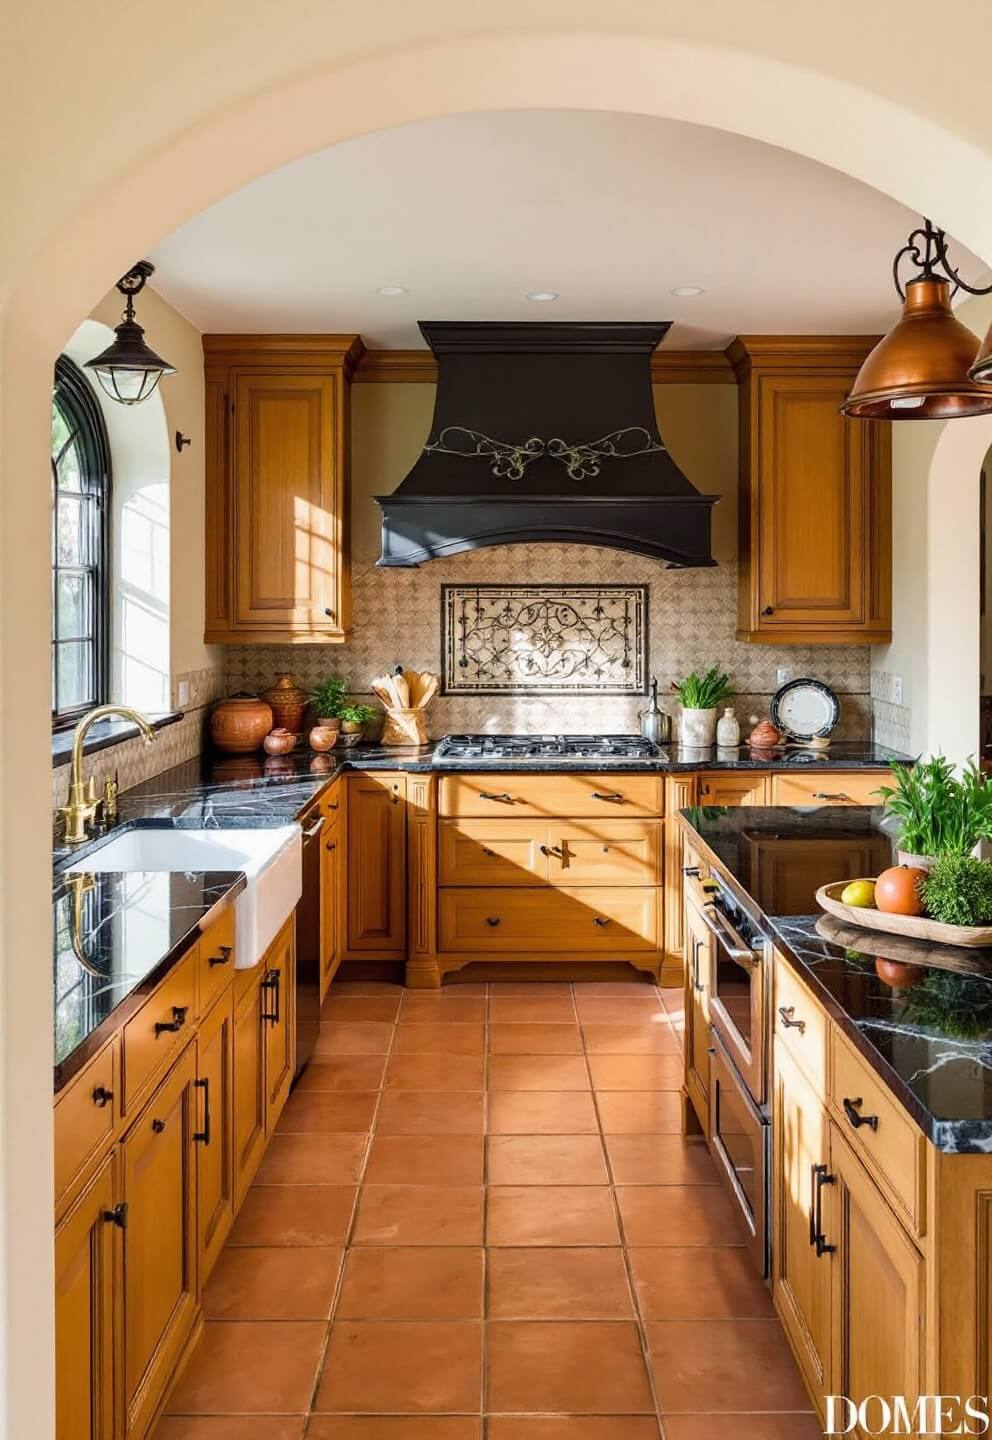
288	703
240	723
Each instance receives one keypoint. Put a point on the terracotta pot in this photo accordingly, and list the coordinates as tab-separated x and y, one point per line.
239	724
323	736
279	742
288	703
764	736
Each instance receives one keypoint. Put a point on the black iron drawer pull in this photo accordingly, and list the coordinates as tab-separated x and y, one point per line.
492	920
102	1096
332	804
177	1022
768	610
555	850
853	1113
601	920
271	982
492	853
489	795
204	1135
158	1126
830	795
224	954
787	1012
616	795
692	872
820	1177
117	1216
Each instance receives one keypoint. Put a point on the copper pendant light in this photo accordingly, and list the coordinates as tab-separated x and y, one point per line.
923	369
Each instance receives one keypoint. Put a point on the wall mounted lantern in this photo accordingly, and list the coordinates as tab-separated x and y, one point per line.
129	370
925	368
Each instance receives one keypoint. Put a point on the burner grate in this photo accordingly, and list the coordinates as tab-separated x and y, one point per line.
545	747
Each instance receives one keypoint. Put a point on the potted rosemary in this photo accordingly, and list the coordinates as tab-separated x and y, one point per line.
939	812
699	696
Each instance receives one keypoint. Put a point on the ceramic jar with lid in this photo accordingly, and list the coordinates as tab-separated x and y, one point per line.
288	704
239	724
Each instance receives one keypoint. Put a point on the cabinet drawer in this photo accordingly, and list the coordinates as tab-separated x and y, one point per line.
86	1115
801	1025
550	921
830	787
514	795
215	960
878	1129
492	852
605	852
147	1048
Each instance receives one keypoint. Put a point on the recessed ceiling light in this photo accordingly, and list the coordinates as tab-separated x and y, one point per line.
686	291
392	290
541	295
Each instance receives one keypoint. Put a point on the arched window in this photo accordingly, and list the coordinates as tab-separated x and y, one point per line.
80	547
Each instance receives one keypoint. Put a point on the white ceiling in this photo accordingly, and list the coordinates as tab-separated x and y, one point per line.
611	211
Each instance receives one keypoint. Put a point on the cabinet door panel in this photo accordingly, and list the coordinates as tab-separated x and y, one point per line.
698	966
215	1131
279	1023
377	865
249	1090
87	1339
331	908
492	852
722	787
160	1270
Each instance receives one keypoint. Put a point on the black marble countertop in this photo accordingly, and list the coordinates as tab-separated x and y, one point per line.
115	937
921	1014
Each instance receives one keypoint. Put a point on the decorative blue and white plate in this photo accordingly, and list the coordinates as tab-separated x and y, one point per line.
805	710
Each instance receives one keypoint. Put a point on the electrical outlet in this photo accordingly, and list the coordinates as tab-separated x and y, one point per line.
897	689
781	676
182	693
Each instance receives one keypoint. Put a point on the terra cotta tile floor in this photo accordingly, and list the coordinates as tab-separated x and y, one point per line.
478	1221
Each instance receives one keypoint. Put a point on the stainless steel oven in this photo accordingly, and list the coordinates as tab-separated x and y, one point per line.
738	990
740	1143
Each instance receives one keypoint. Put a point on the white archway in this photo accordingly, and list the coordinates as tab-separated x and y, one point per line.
61	271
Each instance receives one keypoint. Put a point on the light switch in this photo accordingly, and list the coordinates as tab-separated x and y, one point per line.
182	693
897	689
781	676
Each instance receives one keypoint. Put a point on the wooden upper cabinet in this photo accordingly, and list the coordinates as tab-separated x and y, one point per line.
815	501
277	411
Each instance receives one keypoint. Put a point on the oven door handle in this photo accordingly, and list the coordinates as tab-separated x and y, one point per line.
725	935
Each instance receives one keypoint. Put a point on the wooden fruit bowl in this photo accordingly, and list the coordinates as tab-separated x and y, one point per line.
916	927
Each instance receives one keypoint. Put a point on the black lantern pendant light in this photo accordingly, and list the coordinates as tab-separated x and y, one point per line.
129	370
925	367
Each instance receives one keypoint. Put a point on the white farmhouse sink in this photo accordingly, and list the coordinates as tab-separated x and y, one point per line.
270	859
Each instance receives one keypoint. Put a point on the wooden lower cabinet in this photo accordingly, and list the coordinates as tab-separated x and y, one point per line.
214	1135
698	970
87	1310
331	906
729	787
279	1030
376	889
249	1084
160	1241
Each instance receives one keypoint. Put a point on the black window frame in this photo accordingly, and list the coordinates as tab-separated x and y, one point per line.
75	397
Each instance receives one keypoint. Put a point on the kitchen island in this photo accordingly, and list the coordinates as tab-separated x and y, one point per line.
843	1080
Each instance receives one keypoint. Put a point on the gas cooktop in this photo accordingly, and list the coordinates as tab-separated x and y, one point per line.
455	748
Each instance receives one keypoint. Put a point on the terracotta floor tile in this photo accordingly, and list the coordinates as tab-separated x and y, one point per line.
328	1112
678	1215
588	1367
660	1160
741	1427
272	1284
517	1039
603	1010
442	1009
425	1160
365	987
532	1009
539	1072
405	1367
540	1112
546	1160
573	1427
439	1039
640	1112
537	988
419	1215
353	1037
654	1037
421	1283
425	1112
633	988
394	1427
551	1215
229	1427
360	1007
294	1215
342	1072
698	1283
435	1072
723	1365
636	1072
312	1160
250	1367
558	1284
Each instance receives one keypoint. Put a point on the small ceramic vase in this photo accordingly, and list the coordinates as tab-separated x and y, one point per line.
239	724
279	742
288	704
764	736
728	730
324	736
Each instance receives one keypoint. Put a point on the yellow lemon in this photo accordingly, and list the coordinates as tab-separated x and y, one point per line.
860	893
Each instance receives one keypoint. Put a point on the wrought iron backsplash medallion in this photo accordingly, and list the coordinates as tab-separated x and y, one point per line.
509	461
544	639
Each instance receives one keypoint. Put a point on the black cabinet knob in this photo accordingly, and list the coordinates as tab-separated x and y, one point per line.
768	610
102	1096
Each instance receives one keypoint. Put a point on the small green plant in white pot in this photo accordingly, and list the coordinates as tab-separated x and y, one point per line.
699	696
939	812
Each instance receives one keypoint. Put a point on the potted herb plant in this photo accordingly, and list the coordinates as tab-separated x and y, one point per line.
328	701
354	719
939	812
699	696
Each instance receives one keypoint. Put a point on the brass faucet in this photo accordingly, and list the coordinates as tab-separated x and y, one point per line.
83	803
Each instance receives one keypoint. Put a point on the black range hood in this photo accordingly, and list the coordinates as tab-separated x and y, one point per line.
545	433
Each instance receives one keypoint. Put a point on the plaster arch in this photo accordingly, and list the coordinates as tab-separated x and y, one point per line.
62	265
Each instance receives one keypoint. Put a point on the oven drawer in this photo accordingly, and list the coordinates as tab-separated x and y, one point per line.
740	1143
517	795
800	1024
550	921
830	787
877	1127
492	852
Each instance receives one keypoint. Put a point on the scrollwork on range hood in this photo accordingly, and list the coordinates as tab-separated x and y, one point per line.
621	489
